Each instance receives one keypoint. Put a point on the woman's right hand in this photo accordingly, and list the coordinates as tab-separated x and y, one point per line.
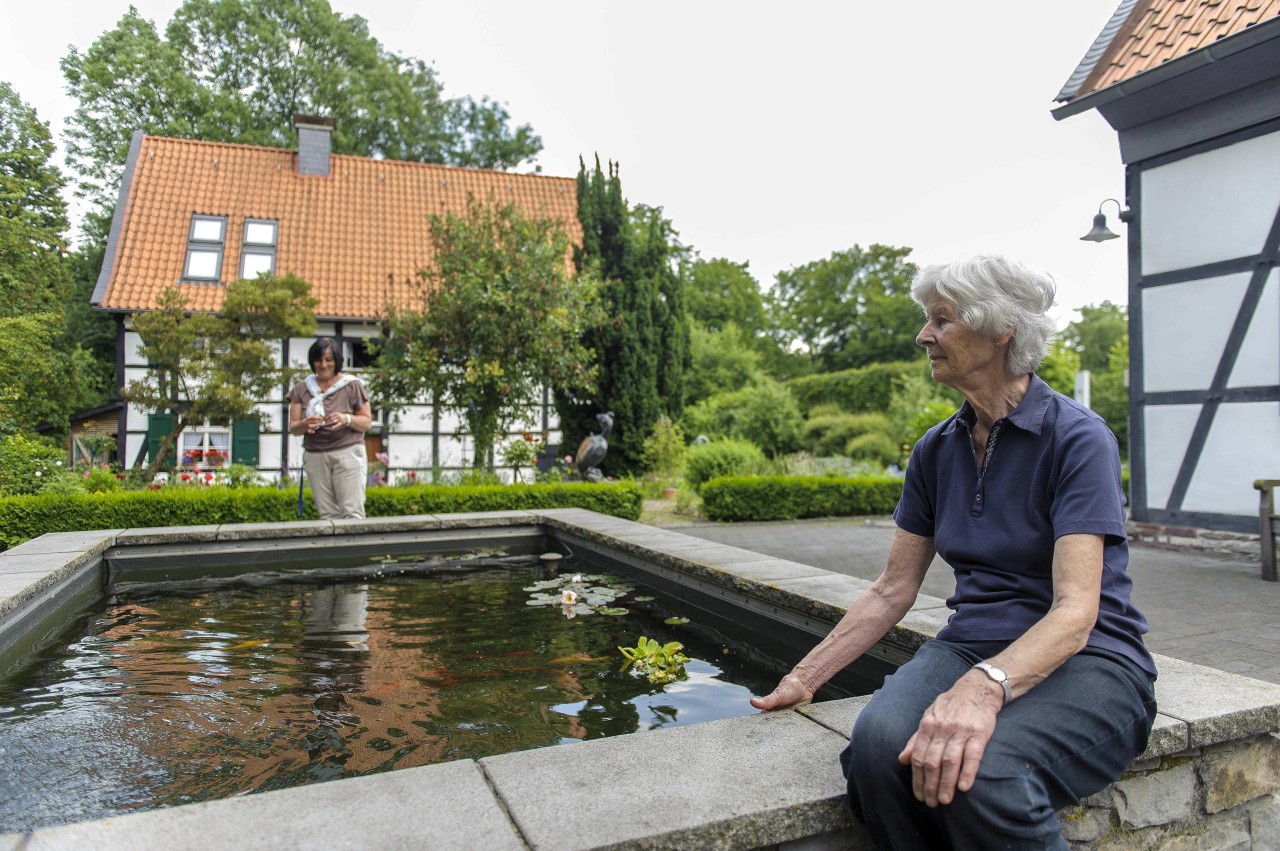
314	424
790	693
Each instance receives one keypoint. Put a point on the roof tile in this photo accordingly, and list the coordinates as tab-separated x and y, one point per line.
359	236
1158	31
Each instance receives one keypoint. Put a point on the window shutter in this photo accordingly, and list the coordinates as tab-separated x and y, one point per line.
158	427
244	442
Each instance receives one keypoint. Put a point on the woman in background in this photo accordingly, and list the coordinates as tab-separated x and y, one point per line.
331	411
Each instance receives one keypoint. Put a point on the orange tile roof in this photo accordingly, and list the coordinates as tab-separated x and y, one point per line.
1157	31
358	236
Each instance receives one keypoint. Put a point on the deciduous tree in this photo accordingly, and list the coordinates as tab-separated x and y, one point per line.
499	316
207	367
719	292
850	310
238	70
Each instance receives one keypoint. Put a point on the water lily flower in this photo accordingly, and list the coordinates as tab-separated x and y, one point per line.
568	598
577	577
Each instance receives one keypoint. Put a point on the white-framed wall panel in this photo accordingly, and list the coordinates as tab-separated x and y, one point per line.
1168	429
1259	361
1211	206
1185	327
1243	445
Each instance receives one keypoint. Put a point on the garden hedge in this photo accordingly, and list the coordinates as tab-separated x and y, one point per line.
867	388
26	517
790	497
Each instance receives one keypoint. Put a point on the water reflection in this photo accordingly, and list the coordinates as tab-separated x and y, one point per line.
198	691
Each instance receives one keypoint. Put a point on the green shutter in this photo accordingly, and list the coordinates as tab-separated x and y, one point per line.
158	427
244	442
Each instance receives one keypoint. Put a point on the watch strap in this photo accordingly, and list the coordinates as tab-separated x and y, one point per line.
998	677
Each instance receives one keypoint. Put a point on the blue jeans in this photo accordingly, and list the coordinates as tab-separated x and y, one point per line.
1062	741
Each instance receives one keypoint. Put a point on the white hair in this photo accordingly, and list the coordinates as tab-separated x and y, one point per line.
994	295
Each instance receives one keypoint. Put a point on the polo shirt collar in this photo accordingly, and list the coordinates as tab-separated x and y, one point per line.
1028	416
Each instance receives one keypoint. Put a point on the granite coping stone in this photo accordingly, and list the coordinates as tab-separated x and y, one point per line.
406	523
1215	705
484	519
150	535
91	542
765	571
44	563
447	806
266	531
755	780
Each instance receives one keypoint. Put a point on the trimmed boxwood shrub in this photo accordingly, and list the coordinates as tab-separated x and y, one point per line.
25	517
790	497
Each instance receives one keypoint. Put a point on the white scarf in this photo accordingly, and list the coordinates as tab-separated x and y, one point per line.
315	407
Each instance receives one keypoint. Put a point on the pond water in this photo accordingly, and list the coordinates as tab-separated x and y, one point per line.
171	693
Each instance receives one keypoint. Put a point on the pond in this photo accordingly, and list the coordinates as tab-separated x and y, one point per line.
176	692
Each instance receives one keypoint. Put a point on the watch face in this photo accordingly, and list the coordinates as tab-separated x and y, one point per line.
995	673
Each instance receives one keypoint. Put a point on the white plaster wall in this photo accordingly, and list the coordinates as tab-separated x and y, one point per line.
409	450
413	418
1185	328
269	451
1168	432
1259	362
1213	206
132	342
1243	445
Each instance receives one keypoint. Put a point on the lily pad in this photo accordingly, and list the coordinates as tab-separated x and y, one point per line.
612	611
675	621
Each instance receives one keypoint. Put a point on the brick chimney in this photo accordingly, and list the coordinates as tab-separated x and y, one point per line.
315	143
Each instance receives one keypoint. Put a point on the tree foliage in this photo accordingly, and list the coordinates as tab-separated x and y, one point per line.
720	292
40	383
1096	332
641	345
500	315
34	277
238	70
851	309
207	367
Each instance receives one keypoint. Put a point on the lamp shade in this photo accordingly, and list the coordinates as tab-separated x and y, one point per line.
1100	232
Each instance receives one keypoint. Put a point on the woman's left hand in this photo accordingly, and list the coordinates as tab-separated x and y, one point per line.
946	749
335	420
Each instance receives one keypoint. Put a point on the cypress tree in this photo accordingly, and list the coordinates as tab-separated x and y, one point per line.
632	344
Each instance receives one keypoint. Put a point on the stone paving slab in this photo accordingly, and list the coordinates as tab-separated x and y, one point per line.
445	806
12	564
765	570
745	782
91	542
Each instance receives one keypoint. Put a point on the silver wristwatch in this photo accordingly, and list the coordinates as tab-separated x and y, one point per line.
998	676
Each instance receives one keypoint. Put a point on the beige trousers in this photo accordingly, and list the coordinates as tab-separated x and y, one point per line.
337	480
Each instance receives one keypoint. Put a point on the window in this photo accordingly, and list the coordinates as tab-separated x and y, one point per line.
258	255
204	248
356	354
204	447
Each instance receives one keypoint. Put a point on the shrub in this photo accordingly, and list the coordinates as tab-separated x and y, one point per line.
765	414
26	517
753	498
26	466
100	479
724	457
663	453
830	433
874	446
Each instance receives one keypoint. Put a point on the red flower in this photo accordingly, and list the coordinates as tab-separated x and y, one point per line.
186	477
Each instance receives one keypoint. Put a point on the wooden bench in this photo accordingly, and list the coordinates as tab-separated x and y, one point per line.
1269	524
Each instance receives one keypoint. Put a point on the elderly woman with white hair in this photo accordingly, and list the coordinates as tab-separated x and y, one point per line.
1038	691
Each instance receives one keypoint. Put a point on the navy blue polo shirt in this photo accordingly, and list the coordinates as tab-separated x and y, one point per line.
1052	468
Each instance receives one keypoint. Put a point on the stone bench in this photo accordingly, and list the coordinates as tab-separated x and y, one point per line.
1208	780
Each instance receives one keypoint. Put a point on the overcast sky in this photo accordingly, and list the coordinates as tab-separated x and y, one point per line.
772	133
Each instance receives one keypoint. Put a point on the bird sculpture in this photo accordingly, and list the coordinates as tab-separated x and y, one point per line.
593	449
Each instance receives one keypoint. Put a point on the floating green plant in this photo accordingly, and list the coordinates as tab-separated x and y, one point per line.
661	663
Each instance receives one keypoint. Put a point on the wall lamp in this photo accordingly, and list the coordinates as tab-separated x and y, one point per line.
1100	232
